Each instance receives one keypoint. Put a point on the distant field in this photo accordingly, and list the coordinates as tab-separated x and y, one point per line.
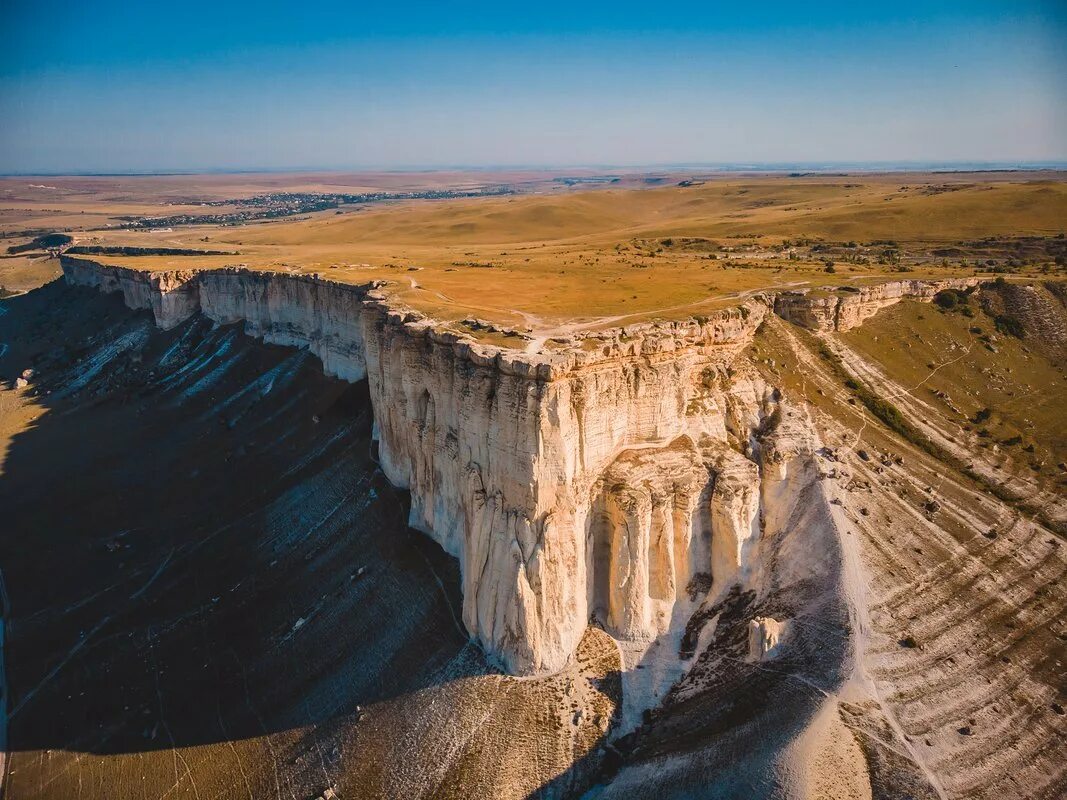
563	253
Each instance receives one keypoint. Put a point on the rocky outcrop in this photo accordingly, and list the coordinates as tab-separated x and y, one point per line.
566	485
764	635
642	544
597	479
735	523
172	297
844	308
324	317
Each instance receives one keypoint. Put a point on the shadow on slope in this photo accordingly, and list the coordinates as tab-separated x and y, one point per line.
188	505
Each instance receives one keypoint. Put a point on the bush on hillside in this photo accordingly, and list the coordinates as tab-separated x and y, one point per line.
1009	325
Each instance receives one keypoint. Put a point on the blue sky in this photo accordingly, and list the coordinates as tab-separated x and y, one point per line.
109	86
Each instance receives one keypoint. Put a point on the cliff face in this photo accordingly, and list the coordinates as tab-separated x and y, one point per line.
513	463
841	312
171	296
298	311
599	479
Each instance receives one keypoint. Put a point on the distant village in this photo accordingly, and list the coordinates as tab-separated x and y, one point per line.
288	204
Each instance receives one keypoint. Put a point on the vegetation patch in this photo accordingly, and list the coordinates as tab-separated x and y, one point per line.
948	299
885	411
107	250
49	241
893	419
1009	325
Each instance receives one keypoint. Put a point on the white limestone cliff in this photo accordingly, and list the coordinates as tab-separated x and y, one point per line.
846	307
172	297
596	480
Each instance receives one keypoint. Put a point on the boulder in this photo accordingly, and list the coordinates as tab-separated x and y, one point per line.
764	637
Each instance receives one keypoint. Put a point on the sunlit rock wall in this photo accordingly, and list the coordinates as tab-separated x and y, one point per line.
597	479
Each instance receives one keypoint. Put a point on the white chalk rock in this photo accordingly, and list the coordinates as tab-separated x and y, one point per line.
601	478
764	636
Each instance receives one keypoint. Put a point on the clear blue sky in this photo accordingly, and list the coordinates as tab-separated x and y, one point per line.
117	86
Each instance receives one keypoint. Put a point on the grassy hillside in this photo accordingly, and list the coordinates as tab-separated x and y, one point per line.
1007	390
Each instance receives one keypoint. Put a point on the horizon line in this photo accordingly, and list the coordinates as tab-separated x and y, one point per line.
889	165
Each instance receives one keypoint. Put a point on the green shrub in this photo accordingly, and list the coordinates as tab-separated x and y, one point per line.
1009	325
946	299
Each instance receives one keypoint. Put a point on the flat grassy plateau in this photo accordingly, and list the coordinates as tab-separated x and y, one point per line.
554	257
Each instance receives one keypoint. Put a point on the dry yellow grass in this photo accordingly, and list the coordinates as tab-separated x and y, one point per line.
945	357
21	273
562	256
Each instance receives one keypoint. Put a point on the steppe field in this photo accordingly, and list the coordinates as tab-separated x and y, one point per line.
560	251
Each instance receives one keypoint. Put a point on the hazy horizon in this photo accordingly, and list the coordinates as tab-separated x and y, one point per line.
93	88
818	167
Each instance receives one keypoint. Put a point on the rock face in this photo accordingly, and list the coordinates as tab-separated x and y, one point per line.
596	480
735	523
642	544
171	296
848	307
764	635
299	311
